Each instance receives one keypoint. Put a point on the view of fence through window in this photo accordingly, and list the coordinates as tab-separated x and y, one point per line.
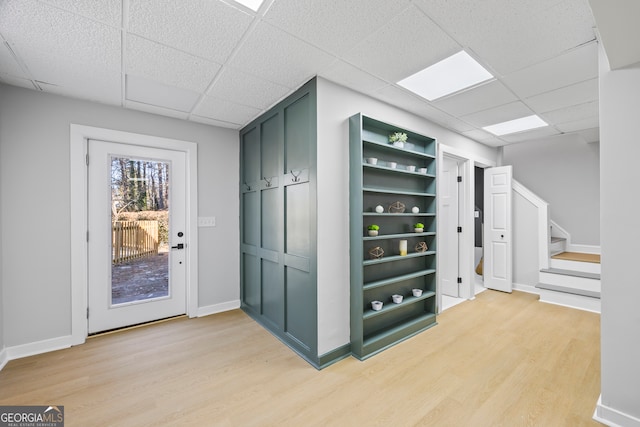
140	229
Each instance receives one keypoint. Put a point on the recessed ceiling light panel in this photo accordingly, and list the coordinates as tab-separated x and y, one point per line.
450	75
251	4
517	125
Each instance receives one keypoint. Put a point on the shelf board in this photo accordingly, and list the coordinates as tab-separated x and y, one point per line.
385	282
397	257
399	236
398	214
389	147
398	192
427	318
396	170
391	306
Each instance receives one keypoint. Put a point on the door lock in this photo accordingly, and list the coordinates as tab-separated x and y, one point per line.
178	246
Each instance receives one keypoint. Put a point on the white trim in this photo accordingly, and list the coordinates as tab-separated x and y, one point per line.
4	358
38	347
218	308
79	135
467	244
585	249
560	232
612	417
525	288
544	240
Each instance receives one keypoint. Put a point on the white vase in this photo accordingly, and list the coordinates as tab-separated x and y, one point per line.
373	233
398	144
418	230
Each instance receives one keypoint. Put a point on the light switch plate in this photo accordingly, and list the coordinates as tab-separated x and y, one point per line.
206	221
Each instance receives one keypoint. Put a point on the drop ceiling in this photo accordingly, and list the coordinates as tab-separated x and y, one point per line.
220	63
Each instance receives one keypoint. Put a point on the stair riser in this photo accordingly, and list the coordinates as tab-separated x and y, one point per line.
587	267
573	282
557	247
570	300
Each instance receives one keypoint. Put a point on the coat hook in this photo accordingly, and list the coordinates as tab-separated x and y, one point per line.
296	177
248	186
268	180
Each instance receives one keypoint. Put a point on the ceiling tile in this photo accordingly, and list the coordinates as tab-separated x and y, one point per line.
573	113
155	93
59	34
480	135
578	93
390	53
227	111
578	125
349	76
8	64
211	29
333	25
107	11
554	25
213	122
574	66
503	113
168	65
279	57
156	110
243	88
73	78
477	99
530	135
590	135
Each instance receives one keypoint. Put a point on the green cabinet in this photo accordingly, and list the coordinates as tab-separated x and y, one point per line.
401	182
278	221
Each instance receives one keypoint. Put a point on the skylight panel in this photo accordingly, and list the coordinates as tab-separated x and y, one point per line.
518	125
448	76
251	4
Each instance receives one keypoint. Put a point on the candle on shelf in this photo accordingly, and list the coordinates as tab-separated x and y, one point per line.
403	247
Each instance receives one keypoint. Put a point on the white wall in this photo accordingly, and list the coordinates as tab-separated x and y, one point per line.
619	176
335	105
35	197
525	241
566	173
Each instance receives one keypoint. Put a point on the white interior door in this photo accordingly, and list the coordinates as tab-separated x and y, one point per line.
497	264
448	216
136	268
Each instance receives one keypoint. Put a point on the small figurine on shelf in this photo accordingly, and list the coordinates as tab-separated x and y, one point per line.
379	209
398	139
373	230
418	228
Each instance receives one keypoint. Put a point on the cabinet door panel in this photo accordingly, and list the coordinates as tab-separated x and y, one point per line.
249	218
296	135
271	223
251	281
301	303
297	219
270	136
251	156
272	293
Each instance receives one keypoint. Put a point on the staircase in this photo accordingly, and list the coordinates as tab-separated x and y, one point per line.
572	280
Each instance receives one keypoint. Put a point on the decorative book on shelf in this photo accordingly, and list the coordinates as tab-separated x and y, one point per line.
392	186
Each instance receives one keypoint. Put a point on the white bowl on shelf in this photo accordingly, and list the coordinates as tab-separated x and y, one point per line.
411	168
393	165
372	160
376	305
397	299
416	292
423	170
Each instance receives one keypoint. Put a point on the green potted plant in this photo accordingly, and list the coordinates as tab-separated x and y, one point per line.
373	230
398	139
418	227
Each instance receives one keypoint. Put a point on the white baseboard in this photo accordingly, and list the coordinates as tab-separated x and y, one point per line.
570	300
585	249
612	417
525	288
4	358
38	347
218	308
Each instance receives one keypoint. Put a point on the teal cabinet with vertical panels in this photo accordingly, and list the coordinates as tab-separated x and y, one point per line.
397	179
278	269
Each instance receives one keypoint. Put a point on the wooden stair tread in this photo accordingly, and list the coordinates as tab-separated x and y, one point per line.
578	256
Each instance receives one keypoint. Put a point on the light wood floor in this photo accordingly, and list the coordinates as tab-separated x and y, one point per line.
578	256
499	360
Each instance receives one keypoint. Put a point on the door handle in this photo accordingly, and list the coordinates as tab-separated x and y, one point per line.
178	246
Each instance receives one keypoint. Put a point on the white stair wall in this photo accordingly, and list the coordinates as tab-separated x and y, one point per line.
570	288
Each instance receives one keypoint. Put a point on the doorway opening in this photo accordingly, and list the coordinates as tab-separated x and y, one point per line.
478	220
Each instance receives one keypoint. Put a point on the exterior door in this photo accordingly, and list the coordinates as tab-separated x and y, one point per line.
136	234
497	264
448	215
